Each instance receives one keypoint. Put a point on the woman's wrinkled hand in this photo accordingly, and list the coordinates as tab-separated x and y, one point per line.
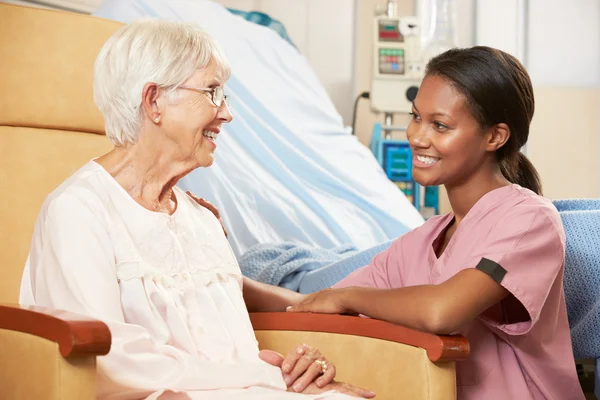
208	205
304	365
300	363
327	301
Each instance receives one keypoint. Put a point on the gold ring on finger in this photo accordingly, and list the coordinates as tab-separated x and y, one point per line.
323	365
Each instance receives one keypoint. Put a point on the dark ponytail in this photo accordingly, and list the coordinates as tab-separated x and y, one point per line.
518	169
497	90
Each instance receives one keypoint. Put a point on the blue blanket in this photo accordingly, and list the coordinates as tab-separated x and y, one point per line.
302	268
577	205
286	264
581	220
582	280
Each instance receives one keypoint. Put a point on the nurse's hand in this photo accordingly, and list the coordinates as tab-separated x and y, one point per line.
327	301
208	205
302	366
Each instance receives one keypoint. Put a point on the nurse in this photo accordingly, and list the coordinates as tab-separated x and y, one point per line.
492	269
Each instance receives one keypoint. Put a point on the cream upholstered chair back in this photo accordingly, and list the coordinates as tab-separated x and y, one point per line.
49	124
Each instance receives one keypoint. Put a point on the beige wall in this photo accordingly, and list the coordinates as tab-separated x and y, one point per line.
564	141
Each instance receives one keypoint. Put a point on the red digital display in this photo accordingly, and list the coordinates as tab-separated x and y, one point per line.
389	35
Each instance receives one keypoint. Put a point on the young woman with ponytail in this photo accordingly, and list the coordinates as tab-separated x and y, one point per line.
492	269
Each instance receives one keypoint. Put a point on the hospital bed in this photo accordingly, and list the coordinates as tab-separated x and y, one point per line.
49	127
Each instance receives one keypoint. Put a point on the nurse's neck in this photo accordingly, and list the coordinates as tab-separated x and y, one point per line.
466	194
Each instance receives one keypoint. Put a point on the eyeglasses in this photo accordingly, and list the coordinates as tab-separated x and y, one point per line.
217	94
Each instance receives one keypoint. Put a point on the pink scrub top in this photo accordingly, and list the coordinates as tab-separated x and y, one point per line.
517	238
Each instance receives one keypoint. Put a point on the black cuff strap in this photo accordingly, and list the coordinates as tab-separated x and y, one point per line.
492	268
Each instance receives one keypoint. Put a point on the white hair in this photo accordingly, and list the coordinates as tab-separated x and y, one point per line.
164	52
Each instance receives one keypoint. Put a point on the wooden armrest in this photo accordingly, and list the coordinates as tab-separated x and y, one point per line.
76	335
438	348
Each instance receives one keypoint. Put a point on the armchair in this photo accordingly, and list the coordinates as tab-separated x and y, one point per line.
49	127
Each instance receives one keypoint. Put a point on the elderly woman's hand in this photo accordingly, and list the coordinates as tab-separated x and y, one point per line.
208	205
303	366
298	357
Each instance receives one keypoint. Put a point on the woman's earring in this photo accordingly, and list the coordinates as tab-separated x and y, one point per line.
157	119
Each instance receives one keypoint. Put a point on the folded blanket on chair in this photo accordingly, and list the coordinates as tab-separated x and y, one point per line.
577	204
582	280
581	220
285	264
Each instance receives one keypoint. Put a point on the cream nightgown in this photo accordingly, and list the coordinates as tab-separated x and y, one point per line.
168	287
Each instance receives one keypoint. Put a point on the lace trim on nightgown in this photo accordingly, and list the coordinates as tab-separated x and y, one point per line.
171	254
137	270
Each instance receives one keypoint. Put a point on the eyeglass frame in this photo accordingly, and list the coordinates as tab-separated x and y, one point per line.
212	92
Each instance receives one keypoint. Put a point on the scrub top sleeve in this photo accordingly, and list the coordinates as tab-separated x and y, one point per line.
524	253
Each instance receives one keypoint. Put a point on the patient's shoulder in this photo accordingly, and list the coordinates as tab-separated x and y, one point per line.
82	190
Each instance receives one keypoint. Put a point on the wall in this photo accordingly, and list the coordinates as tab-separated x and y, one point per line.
564	62
560	47
564	140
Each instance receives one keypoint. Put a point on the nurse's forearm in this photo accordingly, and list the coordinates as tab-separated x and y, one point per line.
415	307
260	297
441	309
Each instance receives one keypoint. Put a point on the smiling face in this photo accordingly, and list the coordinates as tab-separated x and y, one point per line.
448	145
192	122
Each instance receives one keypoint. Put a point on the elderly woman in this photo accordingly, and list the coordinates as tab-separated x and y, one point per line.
120	242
